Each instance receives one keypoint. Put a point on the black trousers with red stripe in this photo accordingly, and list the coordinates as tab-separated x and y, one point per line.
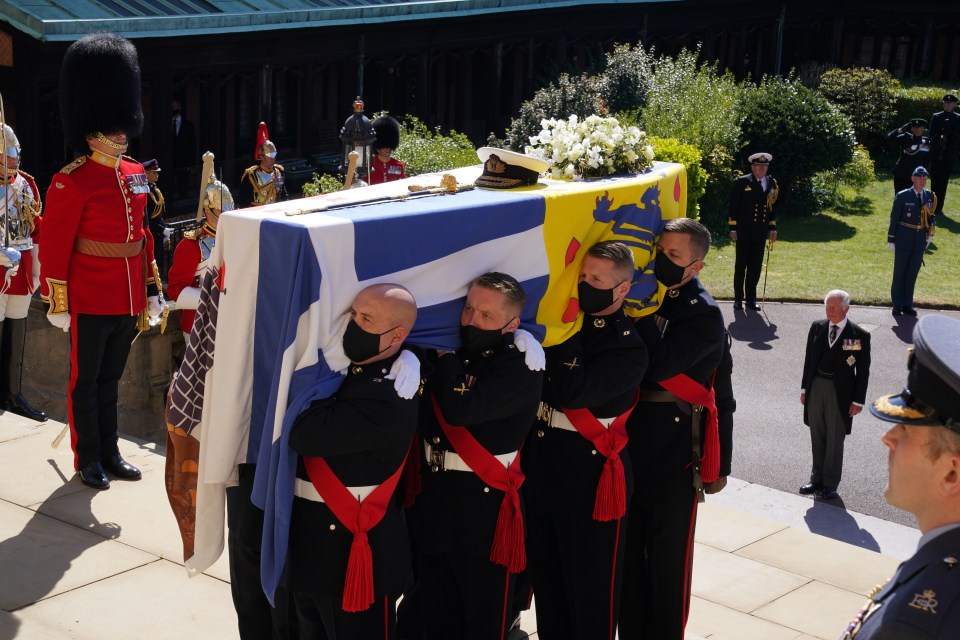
658	566
576	564
99	346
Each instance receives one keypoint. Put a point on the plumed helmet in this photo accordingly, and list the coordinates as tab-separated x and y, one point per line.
99	89
388	133
213	193
267	149
11	141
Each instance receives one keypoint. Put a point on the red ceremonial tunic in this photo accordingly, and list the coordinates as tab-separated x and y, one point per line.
91	200
21	284
187	269
380	172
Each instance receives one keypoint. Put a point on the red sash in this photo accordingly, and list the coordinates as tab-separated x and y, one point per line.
611	501
693	392
359	517
508	539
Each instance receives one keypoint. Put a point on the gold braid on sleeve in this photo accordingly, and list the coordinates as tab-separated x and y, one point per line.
58	300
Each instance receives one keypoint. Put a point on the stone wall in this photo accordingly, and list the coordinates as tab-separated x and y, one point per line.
46	371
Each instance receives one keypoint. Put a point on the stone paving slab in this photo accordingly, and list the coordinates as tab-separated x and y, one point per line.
722	623
818	609
13	626
727	529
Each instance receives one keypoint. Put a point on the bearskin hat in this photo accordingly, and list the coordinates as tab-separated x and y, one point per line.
99	89
388	132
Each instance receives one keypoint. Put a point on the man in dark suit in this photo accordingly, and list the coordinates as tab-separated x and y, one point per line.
922	600
184	150
752	222
835	373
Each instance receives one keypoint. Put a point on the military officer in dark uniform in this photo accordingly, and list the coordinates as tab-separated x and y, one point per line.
352	449
912	226
263	183
674	440
836	370
914	152
579	476
752	222
944	145
156	208
97	269
481	402
922	599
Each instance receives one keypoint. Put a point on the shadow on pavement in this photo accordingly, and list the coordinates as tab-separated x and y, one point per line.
903	328
832	520
754	328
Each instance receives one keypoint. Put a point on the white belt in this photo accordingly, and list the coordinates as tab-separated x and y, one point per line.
305	489
558	420
442	460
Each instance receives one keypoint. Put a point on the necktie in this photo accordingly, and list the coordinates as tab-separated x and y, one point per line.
833	333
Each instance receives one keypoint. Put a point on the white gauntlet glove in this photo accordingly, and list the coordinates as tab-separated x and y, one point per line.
154	307
60	321
405	374
534	357
891	246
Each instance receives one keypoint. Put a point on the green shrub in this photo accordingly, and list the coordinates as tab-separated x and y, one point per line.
859	173
570	95
916	102
805	133
867	96
672	150
625	82
424	151
321	183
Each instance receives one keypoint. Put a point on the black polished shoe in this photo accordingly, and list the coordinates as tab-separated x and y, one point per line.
121	468
898	311
809	488
21	407
737	305
909	311
92	475
753	306
829	493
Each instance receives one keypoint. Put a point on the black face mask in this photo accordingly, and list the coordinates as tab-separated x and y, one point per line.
594	300
476	340
667	271
360	345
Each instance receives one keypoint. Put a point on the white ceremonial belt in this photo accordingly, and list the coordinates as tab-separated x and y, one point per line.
442	460
559	420
305	489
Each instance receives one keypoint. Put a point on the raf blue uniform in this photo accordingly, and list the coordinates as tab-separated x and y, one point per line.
911	222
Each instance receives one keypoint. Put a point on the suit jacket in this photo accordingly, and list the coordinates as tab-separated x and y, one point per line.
907	228
853	365
921	601
184	145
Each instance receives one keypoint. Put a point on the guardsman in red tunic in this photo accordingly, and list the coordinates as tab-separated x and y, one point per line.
193	252
20	199
97	260
383	166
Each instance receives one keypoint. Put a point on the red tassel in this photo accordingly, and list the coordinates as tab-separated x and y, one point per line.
358	586
611	502
412	482
508	544
710	463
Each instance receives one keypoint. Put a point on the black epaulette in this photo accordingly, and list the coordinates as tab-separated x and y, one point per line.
73	166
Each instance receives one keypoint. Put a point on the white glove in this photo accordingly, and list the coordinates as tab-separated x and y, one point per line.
60	321
12	271
929	240
405	374
891	246
154	308
534	356
167	232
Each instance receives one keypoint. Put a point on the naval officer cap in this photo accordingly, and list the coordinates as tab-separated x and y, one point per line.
760	158
505	169
932	394
950	98
921	172
918	122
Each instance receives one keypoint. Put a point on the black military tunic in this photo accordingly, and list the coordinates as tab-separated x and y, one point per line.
921	601
656	590
753	219
574	560
944	144
495	397
363	432
914	152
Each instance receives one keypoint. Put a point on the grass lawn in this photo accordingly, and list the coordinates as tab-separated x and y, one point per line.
847	249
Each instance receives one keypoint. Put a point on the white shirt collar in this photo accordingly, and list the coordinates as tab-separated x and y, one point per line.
840	327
